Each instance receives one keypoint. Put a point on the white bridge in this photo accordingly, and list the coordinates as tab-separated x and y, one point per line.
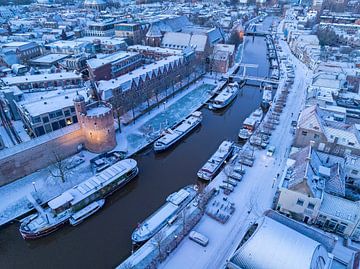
244	77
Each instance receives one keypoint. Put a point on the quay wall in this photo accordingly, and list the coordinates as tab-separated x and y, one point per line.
25	158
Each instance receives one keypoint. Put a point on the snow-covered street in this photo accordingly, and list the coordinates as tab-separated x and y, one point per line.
252	196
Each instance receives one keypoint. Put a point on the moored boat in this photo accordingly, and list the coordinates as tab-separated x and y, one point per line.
86	212
212	166
225	96
60	209
175	202
250	124
171	136
267	97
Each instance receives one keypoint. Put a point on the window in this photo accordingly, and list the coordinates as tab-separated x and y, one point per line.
48	128
67	113
316	136
55	125
311	206
72	109
45	119
300	202
354	172
52	115
304	133
59	113
36	119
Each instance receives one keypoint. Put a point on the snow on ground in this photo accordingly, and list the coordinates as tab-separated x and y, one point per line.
14	203
136	136
254	194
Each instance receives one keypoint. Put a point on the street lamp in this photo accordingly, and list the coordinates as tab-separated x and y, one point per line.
164	103
33	183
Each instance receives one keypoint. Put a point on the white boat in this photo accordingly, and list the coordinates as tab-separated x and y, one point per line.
226	96
87	211
211	167
267	97
171	136
167	213
250	124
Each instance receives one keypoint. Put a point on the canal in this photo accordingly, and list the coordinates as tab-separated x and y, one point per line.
103	240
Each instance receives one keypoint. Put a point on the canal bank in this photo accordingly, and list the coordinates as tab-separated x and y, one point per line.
103	241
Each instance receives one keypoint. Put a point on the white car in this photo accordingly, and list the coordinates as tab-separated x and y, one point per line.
199	238
270	151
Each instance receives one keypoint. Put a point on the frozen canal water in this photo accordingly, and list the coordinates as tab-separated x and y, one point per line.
170	116
103	240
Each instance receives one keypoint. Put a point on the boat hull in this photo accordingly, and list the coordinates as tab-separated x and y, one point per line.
173	143
31	236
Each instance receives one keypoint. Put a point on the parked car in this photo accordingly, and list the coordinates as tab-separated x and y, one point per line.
270	151
199	238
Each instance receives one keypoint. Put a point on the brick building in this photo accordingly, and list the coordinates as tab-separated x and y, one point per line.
113	65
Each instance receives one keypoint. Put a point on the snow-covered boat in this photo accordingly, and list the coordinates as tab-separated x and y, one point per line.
60	209
250	124
225	96
86	212
175	202
171	136
267	97
211	167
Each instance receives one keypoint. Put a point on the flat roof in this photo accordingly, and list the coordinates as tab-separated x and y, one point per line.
40	78
53	103
50	58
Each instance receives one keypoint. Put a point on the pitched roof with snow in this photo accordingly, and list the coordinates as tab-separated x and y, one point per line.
340	208
318	171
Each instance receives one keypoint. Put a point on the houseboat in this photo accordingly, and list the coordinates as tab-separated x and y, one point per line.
175	202
171	136
60	209
267	97
212	166
225	96
250	124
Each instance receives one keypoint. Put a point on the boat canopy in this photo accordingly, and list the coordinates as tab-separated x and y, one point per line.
60	201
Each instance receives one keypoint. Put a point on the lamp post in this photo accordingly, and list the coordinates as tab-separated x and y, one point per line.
34	185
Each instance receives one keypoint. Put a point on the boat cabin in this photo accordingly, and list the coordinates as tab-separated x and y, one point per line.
60	203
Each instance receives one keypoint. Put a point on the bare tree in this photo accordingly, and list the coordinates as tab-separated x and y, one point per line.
60	170
158	238
184	220
201	196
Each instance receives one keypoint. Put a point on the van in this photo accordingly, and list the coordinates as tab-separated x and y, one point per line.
199	238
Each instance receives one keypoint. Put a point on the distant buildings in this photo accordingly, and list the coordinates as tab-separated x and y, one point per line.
42	81
25	51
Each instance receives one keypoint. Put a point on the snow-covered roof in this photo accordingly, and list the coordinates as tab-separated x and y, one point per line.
40	78
117	56
50	58
340	208
183	40
125	81
53	103
274	246
92	185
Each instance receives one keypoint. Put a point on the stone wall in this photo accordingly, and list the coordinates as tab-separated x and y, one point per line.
27	157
